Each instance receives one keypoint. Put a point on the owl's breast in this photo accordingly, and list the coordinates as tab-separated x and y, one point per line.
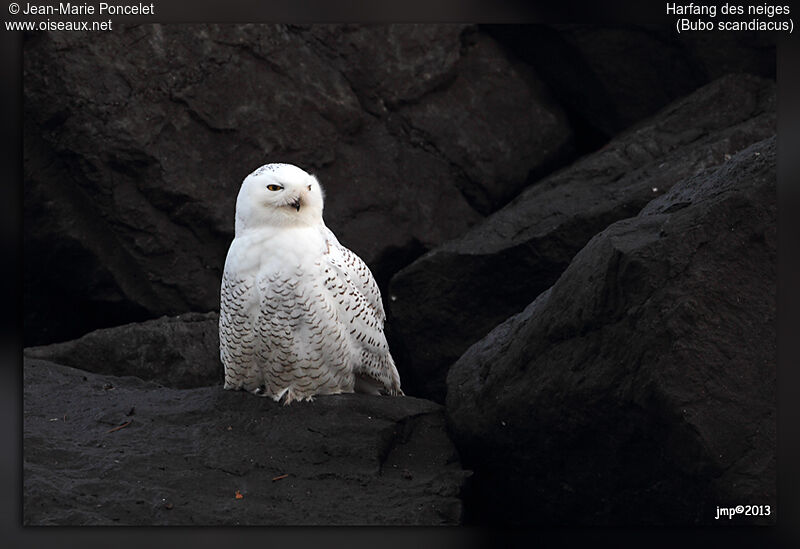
268	251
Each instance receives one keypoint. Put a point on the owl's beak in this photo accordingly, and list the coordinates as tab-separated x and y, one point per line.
295	204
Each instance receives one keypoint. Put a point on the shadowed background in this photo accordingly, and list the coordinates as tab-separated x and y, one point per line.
136	142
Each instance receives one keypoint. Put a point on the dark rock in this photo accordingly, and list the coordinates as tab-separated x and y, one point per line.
136	143
101	450
455	294
412	61
178	352
609	77
640	388
506	132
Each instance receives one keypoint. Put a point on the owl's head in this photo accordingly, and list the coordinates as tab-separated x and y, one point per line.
279	195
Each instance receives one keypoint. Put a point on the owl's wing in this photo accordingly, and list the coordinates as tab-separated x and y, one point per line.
360	307
356	272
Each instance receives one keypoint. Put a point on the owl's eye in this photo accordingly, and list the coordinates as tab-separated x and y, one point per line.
309	187
274	187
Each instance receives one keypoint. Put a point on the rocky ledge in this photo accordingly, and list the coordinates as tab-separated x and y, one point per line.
106	450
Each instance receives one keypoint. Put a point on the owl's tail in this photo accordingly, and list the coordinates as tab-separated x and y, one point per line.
369	385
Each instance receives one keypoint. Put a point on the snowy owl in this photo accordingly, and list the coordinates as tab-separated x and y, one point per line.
300	314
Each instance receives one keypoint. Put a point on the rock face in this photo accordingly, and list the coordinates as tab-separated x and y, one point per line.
121	451
455	294
640	388
179	352
136	142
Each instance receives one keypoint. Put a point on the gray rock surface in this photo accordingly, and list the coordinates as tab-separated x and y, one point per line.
496	160
136	142
455	294
105	450
180	352
640	388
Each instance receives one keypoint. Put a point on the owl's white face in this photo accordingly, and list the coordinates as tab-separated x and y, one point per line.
280	195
